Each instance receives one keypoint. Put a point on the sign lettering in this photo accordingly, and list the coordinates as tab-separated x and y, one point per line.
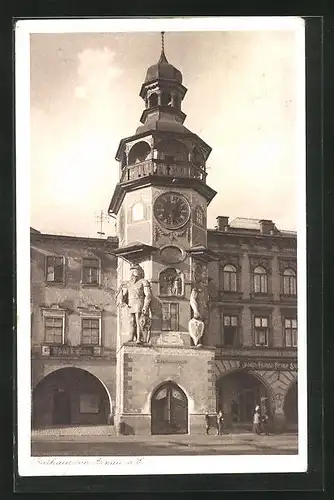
268	365
65	350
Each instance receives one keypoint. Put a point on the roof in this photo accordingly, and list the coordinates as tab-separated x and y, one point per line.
162	70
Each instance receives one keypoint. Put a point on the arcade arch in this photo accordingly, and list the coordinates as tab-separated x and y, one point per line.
70	396
238	392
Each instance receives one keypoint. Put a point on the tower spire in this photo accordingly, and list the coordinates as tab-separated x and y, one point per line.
163	58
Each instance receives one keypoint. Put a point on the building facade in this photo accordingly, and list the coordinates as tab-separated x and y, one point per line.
171	320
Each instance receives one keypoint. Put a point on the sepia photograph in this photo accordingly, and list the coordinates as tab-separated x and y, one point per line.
161	246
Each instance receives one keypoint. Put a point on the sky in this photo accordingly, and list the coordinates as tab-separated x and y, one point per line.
84	98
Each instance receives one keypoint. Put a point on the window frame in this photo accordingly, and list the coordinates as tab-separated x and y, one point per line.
63	269
236	339
258	329
260	275
169	304
99	272
289	277
292	330
230	274
91	316
54	313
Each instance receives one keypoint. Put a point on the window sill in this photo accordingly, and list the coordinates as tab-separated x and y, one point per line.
259	296
288	297
226	295
90	285
55	283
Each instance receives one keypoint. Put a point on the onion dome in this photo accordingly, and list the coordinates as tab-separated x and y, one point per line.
162	70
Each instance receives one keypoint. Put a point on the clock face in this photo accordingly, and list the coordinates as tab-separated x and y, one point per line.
171	210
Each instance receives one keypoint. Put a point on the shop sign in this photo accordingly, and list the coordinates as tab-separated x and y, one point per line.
65	350
268	365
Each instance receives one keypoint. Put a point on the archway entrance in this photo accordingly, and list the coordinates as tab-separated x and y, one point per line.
169	410
237	395
291	405
70	396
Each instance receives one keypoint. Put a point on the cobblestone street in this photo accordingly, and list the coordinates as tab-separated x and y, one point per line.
228	444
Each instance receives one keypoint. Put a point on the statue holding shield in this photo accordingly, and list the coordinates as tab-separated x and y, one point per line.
137	295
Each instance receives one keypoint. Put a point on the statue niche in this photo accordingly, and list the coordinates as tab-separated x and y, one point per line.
171	282
136	294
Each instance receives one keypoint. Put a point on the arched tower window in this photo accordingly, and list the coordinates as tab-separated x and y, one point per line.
153	100
289	282
172	149
260	280
139	152
230	278
171	282
137	212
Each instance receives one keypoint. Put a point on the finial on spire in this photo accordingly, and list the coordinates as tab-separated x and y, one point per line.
162	41
163	58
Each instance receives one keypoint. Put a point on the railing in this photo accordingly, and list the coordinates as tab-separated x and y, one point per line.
161	168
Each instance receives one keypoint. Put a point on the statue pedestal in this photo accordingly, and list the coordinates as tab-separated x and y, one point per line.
164	388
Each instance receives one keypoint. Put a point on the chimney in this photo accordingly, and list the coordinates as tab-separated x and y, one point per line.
267	226
222	223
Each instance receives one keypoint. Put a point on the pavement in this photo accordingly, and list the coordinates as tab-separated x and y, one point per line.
104	445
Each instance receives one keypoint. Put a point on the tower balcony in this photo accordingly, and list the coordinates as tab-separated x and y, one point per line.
162	169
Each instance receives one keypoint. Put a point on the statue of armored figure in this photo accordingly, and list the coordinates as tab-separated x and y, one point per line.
137	295
199	303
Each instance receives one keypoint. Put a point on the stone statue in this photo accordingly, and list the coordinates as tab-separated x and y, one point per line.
199	302
137	295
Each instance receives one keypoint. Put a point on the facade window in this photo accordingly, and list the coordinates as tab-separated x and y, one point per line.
54	329
290	329
55	269
230	278
90	331
260	280
230	330
261	330
170	316
91	271
289	282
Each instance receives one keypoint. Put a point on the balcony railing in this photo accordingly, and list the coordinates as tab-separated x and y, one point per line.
161	168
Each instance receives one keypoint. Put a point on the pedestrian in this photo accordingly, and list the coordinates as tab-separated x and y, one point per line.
256	420
207	423
220	422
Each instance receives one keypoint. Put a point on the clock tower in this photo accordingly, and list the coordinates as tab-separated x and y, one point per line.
165	379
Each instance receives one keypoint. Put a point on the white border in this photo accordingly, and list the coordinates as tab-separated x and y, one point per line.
59	466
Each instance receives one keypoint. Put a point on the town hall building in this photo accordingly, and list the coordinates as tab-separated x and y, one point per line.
150	330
